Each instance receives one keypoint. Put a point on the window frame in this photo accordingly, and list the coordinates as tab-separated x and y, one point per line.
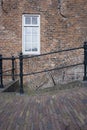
23	34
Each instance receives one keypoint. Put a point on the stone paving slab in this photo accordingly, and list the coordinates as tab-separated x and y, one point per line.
63	110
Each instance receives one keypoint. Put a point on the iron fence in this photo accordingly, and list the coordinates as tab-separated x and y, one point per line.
21	57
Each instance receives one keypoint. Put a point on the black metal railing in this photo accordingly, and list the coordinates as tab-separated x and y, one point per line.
2	71
85	61
21	57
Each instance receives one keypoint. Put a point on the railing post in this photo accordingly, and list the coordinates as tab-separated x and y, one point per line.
85	61
13	68
21	73
1	73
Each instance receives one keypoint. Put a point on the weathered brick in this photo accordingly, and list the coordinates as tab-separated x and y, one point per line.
63	25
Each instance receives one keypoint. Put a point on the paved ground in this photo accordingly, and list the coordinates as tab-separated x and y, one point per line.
64	110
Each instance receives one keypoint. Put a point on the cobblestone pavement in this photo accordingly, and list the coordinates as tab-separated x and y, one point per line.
64	110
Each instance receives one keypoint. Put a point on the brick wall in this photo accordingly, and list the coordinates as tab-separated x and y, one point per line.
63	25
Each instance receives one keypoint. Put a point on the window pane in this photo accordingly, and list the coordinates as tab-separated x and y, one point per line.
28	20
28	39
28	47
34	20
35	30
34	47
28	30
34	38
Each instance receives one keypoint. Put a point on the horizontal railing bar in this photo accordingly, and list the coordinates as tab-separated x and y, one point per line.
49	53
9	58
58	68
6	58
10	74
7	70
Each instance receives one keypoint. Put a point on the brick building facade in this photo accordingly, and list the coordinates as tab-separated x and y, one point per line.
62	24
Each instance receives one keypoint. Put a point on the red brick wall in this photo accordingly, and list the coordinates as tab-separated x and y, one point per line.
63	25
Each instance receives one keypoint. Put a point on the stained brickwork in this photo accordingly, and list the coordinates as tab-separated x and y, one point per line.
63	25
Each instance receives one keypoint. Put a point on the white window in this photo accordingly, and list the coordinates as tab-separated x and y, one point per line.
31	34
